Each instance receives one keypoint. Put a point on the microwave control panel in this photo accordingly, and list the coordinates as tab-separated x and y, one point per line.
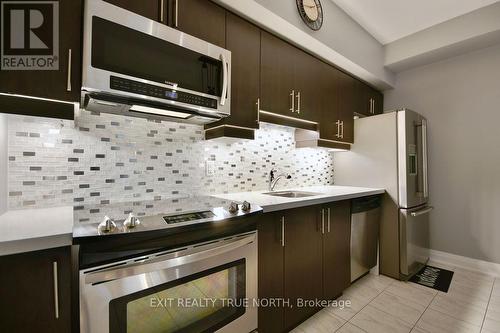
118	83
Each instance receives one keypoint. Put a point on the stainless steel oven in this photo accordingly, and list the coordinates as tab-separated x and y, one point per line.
136	66
199	288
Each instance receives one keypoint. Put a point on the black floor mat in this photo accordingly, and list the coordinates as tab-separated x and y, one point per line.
433	277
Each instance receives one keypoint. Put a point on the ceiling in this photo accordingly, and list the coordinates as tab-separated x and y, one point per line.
390	20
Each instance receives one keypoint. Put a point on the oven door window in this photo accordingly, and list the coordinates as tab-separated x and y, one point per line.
202	302
120	49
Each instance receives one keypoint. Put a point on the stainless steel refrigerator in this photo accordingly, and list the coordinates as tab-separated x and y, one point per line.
390	151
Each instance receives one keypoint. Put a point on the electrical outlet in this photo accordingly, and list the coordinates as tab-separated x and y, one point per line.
210	168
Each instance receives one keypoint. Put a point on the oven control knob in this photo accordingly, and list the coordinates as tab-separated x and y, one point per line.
131	222
245	206
233	207
106	226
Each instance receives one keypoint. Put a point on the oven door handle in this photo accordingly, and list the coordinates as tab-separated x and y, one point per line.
167	261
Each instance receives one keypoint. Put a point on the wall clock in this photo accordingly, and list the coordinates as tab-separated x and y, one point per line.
311	13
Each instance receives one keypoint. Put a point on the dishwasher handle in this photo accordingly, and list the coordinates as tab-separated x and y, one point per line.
365	204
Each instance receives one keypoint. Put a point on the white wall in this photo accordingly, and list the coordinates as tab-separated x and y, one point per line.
3	163
461	99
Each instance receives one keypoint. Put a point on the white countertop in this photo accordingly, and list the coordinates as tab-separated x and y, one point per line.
325	194
35	229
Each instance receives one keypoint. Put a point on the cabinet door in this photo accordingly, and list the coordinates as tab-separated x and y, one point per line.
307	83
27	289
369	101
276	75
147	8
336	248
303	262
378	102
362	95
63	83
243	40
328	123
199	18
270	271
347	102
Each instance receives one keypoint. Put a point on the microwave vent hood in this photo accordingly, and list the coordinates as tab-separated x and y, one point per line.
125	107
138	67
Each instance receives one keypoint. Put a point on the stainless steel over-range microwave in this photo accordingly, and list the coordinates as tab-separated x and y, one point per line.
136	66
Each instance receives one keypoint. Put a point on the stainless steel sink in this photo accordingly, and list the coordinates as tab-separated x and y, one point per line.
292	194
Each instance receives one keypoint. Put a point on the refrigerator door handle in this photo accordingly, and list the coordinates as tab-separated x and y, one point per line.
424	159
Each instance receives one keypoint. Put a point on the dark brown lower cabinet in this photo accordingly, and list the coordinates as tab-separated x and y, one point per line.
303	263
271	267
303	255
336	248
35	291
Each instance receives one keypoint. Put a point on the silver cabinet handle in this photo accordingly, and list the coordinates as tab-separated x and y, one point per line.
225	79
328	211
162	14
424	159
56	290
68	84
338	128
176	24
292	97
422	211
323	221
373	107
298	102
283	231
341	129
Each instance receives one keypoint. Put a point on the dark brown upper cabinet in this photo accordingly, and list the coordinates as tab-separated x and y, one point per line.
289	77
35	291
335	219
337	117
61	84
243	40
199	18
377	100
147	8
347	100
307	79
276	76
329	128
369	101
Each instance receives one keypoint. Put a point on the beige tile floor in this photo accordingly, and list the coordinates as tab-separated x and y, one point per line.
382	305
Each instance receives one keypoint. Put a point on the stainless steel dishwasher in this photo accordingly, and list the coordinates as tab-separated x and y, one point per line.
365	220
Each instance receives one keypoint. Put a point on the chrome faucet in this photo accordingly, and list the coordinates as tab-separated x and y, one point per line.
274	179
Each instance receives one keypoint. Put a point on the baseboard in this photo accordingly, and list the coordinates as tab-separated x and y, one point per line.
481	266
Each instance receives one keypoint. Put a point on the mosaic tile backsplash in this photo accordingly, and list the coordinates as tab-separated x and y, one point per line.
104	158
